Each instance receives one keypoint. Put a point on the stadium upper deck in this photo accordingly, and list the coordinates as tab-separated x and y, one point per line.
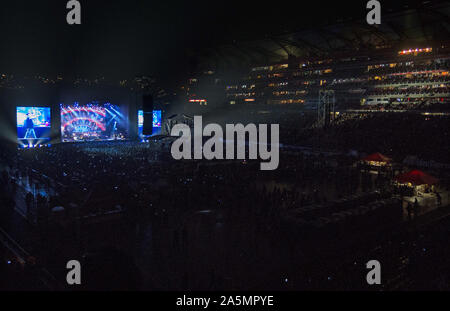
401	64
412	78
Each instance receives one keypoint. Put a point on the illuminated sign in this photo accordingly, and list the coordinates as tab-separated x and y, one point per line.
415	51
201	101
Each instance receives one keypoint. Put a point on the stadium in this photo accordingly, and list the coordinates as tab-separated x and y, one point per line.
87	171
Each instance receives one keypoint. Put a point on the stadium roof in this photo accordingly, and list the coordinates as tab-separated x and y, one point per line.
427	24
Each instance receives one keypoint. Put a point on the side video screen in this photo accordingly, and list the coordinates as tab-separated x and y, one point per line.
156	121
33	124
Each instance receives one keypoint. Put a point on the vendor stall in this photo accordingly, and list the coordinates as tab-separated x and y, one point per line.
376	159
420	197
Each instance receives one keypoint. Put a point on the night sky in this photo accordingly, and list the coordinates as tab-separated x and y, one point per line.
124	38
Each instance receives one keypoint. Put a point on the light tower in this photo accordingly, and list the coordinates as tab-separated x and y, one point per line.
326	108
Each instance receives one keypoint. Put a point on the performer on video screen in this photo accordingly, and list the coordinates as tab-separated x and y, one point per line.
29	125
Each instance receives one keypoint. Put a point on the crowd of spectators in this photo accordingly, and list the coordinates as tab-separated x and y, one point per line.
218	224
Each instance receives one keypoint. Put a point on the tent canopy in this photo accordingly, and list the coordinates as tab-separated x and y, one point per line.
416	177
377	157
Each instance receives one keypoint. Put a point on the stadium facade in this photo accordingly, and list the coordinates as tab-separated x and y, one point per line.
402	63
412	78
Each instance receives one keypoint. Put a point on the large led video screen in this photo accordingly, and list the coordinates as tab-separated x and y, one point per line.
93	122
156	121
33	123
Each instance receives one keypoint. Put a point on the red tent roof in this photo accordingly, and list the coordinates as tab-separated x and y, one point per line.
416	177
377	157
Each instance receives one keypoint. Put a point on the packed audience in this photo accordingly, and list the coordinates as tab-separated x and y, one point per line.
218	224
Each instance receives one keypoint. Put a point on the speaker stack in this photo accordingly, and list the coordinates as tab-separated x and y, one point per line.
147	107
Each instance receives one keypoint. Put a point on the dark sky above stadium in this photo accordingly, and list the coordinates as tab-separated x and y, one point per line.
124	38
